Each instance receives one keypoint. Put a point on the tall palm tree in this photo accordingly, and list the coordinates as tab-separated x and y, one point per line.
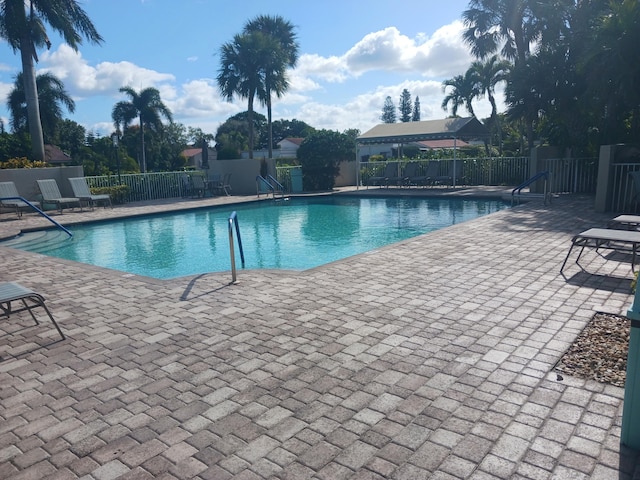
276	62
147	107
487	75
514	25
241	71
611	63
52	96
22	25
462	92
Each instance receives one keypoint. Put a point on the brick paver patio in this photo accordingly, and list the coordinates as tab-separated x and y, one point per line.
428	359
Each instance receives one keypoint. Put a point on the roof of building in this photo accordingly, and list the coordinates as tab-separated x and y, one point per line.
408	132
295	140
191	152
53	154
444	143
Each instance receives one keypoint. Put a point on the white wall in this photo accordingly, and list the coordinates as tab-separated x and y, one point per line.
25	179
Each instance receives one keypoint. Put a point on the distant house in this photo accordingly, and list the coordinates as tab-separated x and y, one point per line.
289	146
286	148
53	154
194	156
432	134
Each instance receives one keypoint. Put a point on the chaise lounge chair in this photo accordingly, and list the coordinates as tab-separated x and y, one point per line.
82	191
389	174
411	176
51	194
13	292
9	198
198	185
448	179
626	222
619	240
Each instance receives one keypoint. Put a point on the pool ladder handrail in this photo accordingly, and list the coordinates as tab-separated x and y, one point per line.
272	185
40	212
546	195
233	220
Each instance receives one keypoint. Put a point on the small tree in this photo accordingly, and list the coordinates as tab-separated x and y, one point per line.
405	106
320	155
416	110
388	111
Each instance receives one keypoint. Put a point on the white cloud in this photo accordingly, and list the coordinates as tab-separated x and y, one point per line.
199	98
83	80
442	54
337	92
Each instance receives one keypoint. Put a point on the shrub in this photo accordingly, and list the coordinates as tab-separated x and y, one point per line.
118	193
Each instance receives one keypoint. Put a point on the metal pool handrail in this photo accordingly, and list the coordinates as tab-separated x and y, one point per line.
233	219
40	212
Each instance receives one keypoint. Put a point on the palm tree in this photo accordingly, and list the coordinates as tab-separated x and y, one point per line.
242	71
514	25
487	75
611	64
464	90
276	62
52	96
147	107
22	25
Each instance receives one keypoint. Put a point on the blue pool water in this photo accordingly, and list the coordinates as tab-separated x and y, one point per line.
297	234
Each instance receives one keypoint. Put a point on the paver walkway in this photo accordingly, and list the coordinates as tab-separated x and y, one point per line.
428	359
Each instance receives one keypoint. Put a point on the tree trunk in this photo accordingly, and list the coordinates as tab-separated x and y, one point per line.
269	126
250	120
496	120
31	97
143	163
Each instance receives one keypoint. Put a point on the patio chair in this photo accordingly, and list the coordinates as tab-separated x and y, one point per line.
81	190
226	184
625	222
447	179
214	184
51	194
411	177
432	174
198	186
8	194
13	292
624	241
390	172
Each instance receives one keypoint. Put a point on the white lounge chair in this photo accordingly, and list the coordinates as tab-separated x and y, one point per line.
51	194
82	191
13	292
626	241
9	198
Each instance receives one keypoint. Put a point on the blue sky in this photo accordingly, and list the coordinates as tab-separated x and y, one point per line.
352	55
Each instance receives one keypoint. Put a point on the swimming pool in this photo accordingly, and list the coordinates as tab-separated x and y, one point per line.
298	234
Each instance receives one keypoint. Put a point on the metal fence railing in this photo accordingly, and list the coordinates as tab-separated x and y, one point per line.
572	175
146	186
623	192
471	171
568	175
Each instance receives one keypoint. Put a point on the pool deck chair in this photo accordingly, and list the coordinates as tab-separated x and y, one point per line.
82	191
11	292
411	176
390	172
609	239
627	222
8	194
51	194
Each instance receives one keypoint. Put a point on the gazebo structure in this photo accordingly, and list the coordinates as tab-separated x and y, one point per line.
469	128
